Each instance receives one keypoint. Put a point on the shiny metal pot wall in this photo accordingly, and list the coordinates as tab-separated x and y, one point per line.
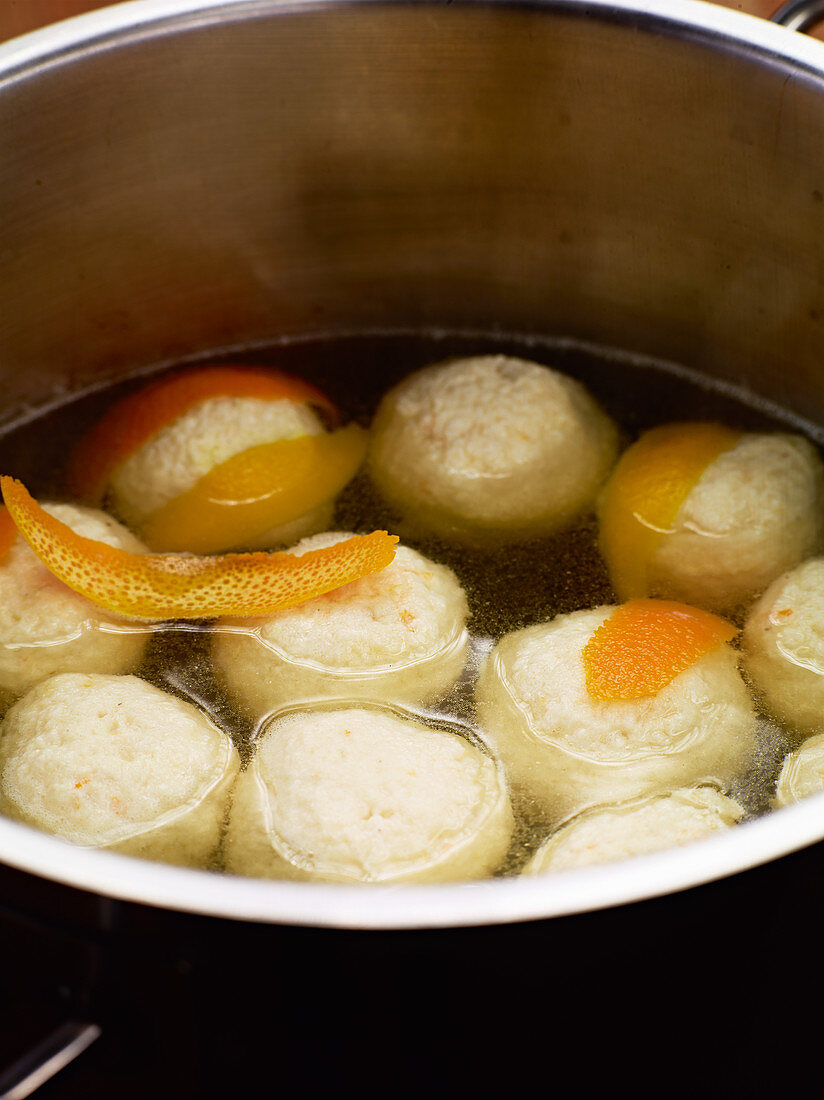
180	177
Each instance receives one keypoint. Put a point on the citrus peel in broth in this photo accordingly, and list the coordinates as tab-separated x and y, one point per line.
645	644
139	416
180	586
8	533
642	498
259	489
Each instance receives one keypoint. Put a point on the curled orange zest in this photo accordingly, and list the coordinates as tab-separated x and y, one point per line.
172	586
8	533
136	418
643	496
645	644
257	490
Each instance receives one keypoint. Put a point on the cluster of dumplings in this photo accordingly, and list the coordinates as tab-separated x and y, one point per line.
360	769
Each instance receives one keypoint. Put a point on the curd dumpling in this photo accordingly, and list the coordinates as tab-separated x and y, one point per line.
619	832
113	762
802	773
566	751
200	439
364	795
490	449
46	628
709	516
783	648
396	635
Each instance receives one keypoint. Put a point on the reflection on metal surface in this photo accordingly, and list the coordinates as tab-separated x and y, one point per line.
799	15
43	1061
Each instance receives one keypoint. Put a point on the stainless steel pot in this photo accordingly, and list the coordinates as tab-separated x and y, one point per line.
199	175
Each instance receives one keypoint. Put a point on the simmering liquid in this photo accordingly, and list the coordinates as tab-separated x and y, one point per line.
508	587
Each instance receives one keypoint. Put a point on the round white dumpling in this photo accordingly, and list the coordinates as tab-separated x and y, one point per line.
755	512
566	751
634	829
396	635
802	773
364	795
208	434
112	762
490	449
46	628
783	648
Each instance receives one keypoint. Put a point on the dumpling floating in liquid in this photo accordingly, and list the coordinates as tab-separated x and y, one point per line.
113	762
45	627
701	513
397	635
491	449
620	832
802	773
566	749
783	648
365	795
219	458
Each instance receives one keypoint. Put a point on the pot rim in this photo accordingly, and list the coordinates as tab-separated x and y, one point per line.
497	901
133	19
384	907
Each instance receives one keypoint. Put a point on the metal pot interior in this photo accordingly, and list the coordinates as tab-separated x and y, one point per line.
183	178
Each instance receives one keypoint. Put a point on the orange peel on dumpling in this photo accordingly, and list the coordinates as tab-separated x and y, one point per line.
645	492
259	489
136	418
645	644
180	586
8	533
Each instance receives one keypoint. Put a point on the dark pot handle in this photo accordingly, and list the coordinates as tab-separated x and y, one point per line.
799	15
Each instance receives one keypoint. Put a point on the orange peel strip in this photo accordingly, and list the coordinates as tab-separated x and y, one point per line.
645	644
257	490
8	533
172	586
136	418
643	496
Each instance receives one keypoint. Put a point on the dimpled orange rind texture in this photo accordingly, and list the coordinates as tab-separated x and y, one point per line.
645	644
179	586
